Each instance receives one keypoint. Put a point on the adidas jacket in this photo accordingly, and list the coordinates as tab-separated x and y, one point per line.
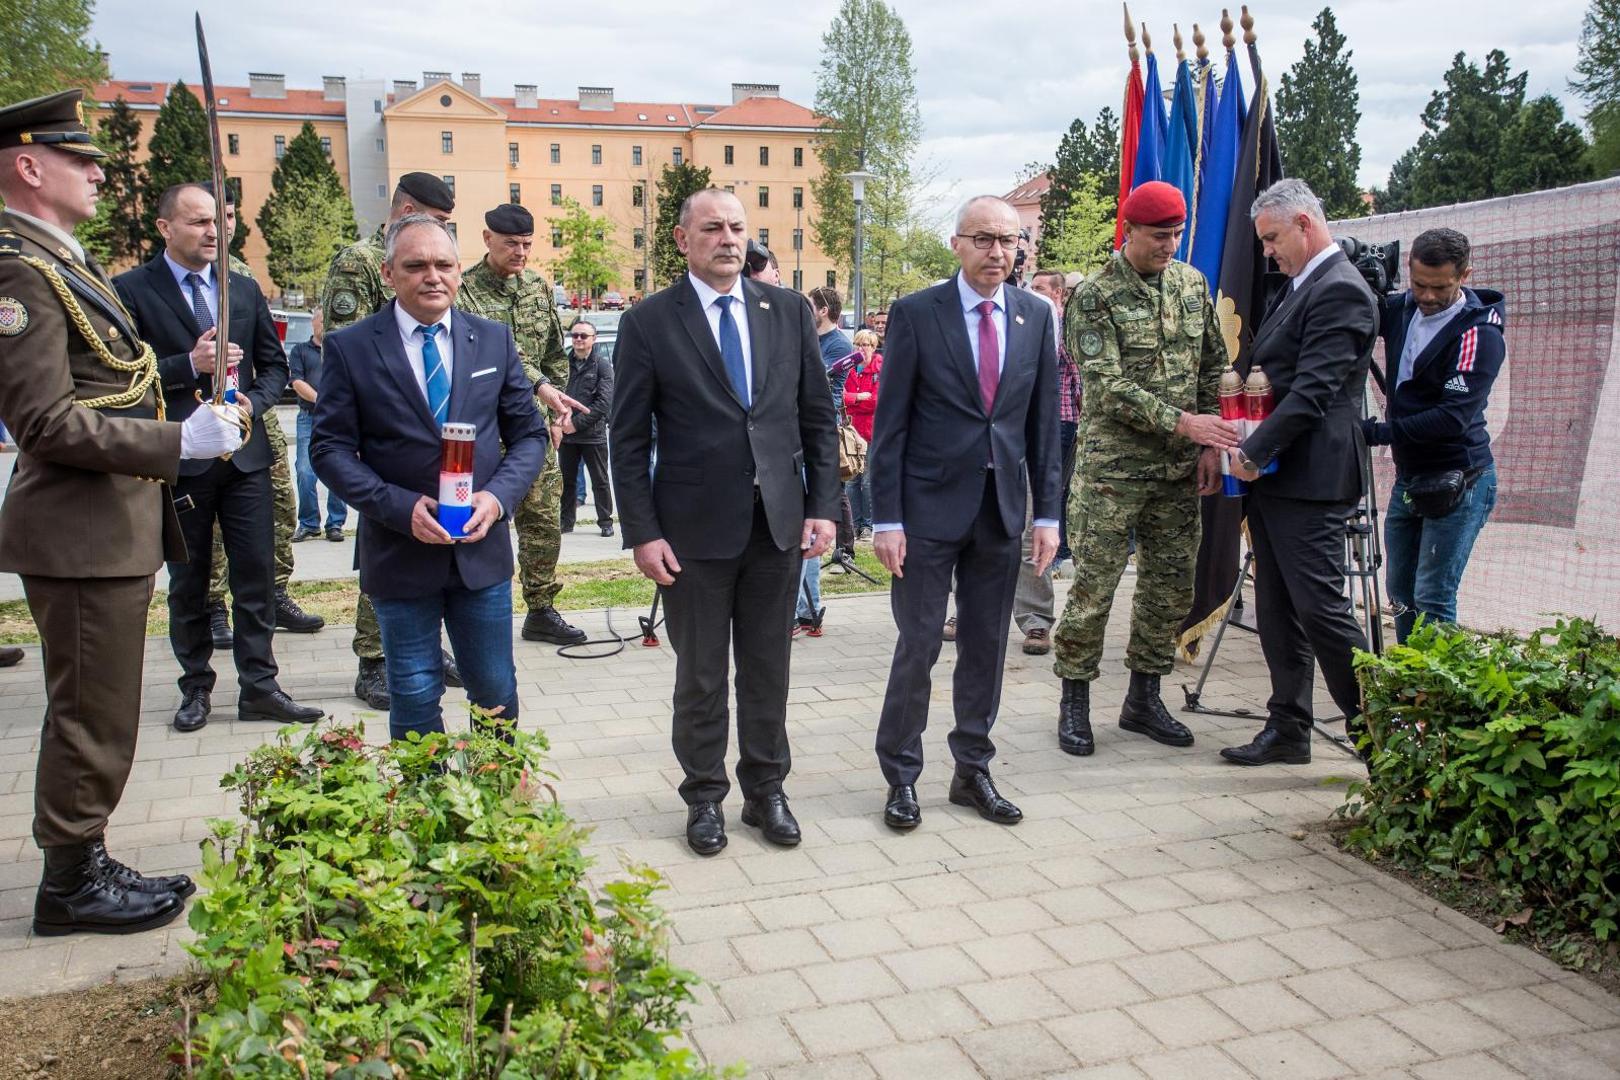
1436	419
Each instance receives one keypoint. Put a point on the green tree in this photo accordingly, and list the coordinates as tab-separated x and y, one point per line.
1542	150
590	261
114	235
307	217
1458	156
177	153
675	183
1598	82
866	97
1318	109
46	48
1080	236
1082	152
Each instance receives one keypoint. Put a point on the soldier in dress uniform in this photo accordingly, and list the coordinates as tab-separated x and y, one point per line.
89	516
501	287
1144	332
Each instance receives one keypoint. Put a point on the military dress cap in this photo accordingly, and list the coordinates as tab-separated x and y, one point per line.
53	120
509	219
1155	204
428	190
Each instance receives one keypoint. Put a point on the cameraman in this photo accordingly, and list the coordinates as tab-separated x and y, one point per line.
1443	346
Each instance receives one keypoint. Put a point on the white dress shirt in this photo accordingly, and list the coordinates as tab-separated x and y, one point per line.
1423	330
413	344
210	288
739	315
1316	260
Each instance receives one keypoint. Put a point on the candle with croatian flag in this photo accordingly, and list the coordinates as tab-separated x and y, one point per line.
1257	404
1234	411
456	478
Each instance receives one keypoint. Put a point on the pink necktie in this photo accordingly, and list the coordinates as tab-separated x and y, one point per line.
989	354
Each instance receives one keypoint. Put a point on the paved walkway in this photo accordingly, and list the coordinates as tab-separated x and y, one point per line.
1157	914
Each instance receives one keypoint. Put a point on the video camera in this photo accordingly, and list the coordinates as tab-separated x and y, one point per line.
1379	264
1021	255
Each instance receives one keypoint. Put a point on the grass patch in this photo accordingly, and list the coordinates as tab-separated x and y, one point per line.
605	583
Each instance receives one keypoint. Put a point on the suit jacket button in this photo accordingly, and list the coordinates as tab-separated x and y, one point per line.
750	425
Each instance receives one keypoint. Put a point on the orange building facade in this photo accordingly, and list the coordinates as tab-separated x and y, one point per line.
604	154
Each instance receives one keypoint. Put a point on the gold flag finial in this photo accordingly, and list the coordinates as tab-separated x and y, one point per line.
1248	27
1198	43
1147	40
1175	36
1227	39
1130	35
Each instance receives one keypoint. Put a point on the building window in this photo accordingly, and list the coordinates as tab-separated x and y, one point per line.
235	143
514	193
765	238
832	279
596	153
376	106
729	156
638	195
798	281
382	191
556	194
764	155
281	147
731	188
638	239
641	280
764	197
512	154
635	155
556	153
798	239
596	194
798	157
556	236
447	142
450	182
326	145
675	155
382	146
798	198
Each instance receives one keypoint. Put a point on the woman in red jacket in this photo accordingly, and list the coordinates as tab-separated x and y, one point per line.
860	401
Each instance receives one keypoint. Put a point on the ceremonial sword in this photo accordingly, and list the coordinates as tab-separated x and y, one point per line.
222	253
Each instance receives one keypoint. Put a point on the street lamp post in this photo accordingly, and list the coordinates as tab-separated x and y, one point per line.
857	182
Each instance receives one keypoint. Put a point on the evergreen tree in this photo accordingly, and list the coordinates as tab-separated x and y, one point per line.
114	235
1318	109
178	153
307	217
1541	150
1598	82
866	96
46	50
1458	156
675	183
1082	153
590	260
1083	236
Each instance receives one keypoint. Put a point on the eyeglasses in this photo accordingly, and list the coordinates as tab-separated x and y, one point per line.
581	337
984	241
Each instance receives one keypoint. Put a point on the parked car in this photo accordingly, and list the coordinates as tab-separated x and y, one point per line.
291	327
607	328
612	301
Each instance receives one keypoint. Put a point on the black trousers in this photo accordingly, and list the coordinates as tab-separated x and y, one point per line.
595	456
743	605
1305	616
242	504
985	563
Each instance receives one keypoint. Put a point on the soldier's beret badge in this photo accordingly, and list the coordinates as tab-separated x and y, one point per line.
13	316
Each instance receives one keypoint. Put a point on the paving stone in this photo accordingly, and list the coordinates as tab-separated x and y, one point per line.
1201	1062
1341	993
775	992
850	980
1415	978
1284	1055
1486	967
1366	1042
761	1042
1184	1021
778	950
1467	1067
857	937
935	926
1521	1013
1094	986
1262	1007
791	912
1246	961
840	1029
939	1059
1013	1000
1159	931
1011	1053
1172	973
925	969
848	1067
1317	948
1014	954
1106	1035
1446	1027
928	1014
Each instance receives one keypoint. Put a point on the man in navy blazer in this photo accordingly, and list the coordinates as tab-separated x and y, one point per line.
388	385
966	432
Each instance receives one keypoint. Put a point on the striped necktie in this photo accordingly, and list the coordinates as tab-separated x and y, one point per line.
437	376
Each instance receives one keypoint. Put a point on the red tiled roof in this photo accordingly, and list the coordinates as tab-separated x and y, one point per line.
763	112
567	111
1030	190
232	98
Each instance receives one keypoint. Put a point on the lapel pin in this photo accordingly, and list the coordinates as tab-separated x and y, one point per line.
764	305
1019	319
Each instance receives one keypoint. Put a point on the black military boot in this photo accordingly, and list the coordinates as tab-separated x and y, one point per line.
219	625
544	624
371	684
79	894
1145	714
128	878
1074	719
294	619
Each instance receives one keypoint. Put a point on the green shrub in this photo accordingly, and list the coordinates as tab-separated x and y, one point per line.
1498	758
419	909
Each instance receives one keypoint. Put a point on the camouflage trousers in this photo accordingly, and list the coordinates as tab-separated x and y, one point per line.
368	635
538	523
286	516
1102	514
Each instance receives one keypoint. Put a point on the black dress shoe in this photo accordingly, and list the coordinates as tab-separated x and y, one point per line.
334	533
452	673
1074	719
76	895
607	530
544	624
1145	714
219	625
301	534
901	810
294	619
770	814
371	684
705	828
10	656
277	708
132	880
1272	747
193	711
977	790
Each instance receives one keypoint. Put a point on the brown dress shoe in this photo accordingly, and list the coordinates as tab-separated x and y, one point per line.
1038	642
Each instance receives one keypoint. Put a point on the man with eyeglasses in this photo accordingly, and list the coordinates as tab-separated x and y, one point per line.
966	433
590	382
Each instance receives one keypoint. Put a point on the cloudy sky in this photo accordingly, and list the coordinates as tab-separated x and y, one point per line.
997	84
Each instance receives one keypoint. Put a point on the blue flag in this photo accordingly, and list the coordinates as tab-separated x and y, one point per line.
1181	145
1220	168
1150	144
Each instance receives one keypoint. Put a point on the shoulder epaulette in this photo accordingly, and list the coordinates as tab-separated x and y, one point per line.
10	243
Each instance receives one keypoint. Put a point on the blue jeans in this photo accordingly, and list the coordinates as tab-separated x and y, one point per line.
479	622
1426	556
860	500
309	503
809	580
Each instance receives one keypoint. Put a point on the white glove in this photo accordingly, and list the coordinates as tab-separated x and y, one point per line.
210	433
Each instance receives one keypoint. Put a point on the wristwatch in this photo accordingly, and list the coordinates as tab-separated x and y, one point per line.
1243	459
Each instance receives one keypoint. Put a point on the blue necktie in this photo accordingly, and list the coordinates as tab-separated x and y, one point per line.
199	303
731	351
438	378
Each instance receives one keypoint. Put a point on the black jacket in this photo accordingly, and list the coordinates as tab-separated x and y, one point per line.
1436	418
713	453
164	317
1316	347
590	382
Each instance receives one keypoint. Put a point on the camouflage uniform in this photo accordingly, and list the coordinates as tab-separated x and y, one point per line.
524	302
1148	349
286	513
354	290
